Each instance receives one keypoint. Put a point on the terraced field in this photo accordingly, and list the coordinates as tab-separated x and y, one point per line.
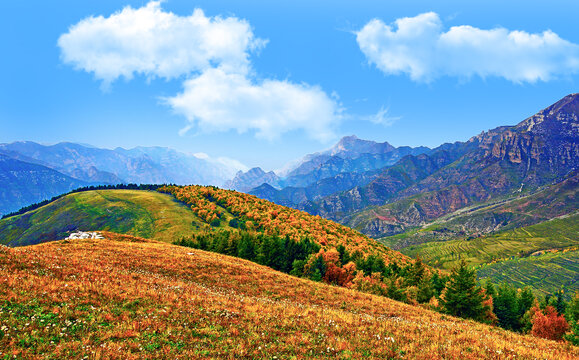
559	233
545	274
141	213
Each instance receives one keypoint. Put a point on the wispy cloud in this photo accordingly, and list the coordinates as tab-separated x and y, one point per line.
220	90
382	117
420	47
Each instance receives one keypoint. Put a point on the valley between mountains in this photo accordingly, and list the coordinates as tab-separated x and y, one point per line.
469	250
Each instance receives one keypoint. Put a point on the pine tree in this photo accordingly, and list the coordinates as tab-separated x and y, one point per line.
416	273
438	283
506	307
246	248
425	290
344	255
560	304
462	297
525	300
318	268
490	289
394	292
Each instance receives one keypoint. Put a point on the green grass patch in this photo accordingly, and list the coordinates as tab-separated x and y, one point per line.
136	212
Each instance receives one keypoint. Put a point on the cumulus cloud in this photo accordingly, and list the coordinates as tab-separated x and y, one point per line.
157	43
420	47
220	91
217	101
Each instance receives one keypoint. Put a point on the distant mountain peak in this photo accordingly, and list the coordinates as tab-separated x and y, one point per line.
256	171
254	177
356	145
348	138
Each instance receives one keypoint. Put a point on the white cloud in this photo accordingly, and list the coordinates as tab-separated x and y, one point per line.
382	117
233	164
157	43
420	47
221	101
213	54
201	155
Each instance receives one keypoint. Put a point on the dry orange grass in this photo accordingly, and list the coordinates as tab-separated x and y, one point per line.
129	298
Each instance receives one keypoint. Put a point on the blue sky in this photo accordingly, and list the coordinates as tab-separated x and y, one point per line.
266	82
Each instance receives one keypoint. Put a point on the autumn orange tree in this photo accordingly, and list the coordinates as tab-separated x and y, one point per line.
548	324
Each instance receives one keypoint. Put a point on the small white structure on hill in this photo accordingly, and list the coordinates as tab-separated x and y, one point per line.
84	235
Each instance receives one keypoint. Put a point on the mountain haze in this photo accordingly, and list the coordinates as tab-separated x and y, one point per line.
75	165
351	162
25	183
138	165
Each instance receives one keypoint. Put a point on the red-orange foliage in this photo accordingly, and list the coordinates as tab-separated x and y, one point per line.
335	274
274	219
548	324
489	316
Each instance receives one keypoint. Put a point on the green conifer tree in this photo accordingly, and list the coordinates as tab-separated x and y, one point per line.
462	297
506	307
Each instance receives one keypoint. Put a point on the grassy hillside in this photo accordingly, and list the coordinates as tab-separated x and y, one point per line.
142	213
178	212
546	273
129	298
554	234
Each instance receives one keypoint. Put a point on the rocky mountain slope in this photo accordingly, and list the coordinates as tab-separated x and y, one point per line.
509	160
255	177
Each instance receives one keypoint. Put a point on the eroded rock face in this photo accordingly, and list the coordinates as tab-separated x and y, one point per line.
378	227
541	150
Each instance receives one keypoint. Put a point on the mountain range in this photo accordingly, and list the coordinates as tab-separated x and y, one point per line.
423	185
35	172
376	188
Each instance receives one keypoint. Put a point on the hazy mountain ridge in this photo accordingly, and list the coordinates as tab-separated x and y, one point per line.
245	181
25	183
296	196
351	162
80	165
138	165
386	185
